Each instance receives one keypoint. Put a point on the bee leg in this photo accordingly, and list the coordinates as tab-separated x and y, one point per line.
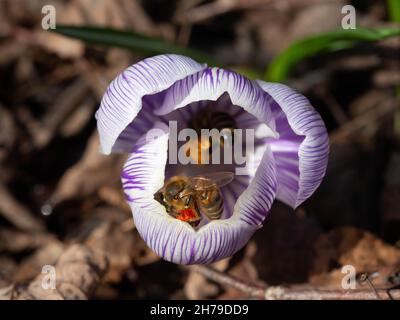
204	196
187	201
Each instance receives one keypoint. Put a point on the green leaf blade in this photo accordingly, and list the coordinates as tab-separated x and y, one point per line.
279	68
130	40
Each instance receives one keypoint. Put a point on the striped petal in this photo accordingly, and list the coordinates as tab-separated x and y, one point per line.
212	83
122	101
177	241
301	152
144	170
254	203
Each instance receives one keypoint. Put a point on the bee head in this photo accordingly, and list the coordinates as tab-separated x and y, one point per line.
173	189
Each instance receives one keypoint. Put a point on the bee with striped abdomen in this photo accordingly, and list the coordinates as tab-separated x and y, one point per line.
189	198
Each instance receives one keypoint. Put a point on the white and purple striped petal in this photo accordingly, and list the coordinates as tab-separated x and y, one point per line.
254	203
177	241
211	84
301	152
122	101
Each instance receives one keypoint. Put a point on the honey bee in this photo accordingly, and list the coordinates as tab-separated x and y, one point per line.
208	118
189	198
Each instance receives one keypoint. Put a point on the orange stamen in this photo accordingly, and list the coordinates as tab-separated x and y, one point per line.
186	214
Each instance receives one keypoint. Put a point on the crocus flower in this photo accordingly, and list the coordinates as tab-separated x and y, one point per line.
289	160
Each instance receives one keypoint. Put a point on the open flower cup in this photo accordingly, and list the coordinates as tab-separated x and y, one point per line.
287	161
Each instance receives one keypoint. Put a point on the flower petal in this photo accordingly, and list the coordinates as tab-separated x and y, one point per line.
301	152
143	172
210	84
177	241
123	99
254	203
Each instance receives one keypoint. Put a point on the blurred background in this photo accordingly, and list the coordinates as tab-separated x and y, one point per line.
61	202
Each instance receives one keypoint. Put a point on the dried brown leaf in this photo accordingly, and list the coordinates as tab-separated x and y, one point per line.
350	246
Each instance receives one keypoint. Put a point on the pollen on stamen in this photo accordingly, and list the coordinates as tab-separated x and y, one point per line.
186	215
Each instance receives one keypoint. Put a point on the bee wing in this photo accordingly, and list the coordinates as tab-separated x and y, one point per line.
209	180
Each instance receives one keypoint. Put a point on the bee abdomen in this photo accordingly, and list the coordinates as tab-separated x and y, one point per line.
213	206
222	120
208	119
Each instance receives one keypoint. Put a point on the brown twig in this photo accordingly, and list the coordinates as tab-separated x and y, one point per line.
281	293
227	280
